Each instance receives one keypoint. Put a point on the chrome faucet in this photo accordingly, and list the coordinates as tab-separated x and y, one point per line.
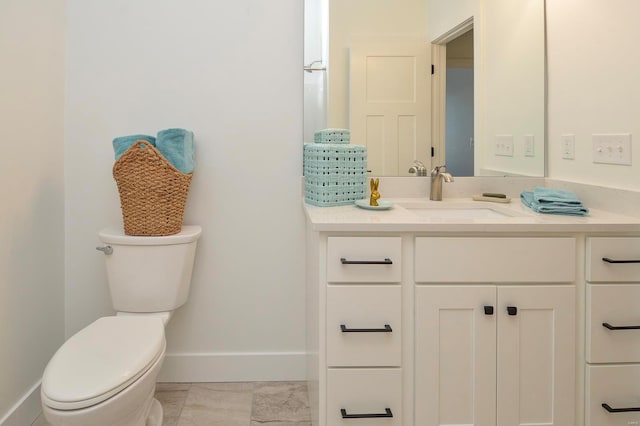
437	176
418	168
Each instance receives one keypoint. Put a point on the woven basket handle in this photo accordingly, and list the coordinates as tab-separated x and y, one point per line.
143	144
150	151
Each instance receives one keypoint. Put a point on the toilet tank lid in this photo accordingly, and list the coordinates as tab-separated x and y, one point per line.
101	360
116	235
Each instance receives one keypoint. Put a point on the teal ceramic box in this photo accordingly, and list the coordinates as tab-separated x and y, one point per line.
337	136
334	174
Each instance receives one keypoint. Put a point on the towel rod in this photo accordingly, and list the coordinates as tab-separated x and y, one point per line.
311	68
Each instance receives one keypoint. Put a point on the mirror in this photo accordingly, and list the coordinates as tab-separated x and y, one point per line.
368	69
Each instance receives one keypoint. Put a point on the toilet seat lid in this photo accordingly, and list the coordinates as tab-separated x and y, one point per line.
101	360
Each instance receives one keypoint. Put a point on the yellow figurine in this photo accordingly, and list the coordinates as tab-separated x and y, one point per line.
375	195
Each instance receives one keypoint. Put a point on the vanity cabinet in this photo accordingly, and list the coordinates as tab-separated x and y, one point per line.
419	330
529	319
612	352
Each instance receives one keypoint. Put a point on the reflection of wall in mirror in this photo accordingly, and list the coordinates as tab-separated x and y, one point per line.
314	82
447	14
459	121
513	82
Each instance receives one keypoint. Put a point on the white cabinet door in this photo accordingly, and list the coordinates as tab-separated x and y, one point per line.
515	366
536	355
455	355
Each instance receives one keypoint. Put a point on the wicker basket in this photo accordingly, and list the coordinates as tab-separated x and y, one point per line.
153	193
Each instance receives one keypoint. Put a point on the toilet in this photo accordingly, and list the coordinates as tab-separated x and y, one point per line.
105	375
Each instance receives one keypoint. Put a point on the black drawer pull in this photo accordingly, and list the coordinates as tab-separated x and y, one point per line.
512	310
386	329
619	410
387	413
488	310
609	260
620	327
386	261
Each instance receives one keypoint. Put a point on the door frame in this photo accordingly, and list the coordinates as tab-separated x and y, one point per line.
439	89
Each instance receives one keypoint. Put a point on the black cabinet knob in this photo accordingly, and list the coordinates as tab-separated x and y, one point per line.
512	310
488	310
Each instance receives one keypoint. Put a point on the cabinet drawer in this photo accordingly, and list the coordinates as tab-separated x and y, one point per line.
617	306
616	386
364	259
364	391
623	259
468	260
372	322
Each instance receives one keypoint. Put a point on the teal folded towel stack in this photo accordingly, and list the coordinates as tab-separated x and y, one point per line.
122	143
553	201
178	148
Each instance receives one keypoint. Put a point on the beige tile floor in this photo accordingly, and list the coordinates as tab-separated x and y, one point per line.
231	404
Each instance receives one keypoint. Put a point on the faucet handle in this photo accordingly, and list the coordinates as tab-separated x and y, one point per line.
436	169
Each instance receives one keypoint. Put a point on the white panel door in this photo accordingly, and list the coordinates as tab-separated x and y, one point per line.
455	382
389	104
536	356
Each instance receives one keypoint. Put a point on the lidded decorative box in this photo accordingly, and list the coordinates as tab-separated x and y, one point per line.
332	136
334	174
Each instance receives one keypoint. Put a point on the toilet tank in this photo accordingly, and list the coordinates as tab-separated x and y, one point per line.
149	274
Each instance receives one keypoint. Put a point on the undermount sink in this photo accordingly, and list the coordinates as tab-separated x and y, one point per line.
455	210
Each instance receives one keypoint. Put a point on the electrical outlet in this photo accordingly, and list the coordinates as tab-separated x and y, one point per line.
568	147
612	148
504	145
529	146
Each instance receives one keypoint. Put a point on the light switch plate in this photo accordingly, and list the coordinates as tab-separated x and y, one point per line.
504	145
612	148
529	146
568	147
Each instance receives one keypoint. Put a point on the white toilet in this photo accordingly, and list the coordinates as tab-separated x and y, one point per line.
105	375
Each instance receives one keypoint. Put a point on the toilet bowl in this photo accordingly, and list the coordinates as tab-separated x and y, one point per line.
105	375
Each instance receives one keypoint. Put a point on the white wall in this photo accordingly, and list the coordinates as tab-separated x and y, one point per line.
593	86
232	73
31	211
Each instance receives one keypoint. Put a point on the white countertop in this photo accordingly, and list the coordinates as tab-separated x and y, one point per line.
518	219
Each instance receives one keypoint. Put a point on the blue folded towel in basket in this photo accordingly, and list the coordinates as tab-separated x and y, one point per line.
122	143
553	201
177	147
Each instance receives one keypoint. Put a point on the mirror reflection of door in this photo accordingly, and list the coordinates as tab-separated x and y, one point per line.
389	103
459	147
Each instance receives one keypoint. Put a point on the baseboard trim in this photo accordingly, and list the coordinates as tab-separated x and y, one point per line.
26	410
233	367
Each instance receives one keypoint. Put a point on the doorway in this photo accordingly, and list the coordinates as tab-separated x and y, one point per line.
459	146
453	100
